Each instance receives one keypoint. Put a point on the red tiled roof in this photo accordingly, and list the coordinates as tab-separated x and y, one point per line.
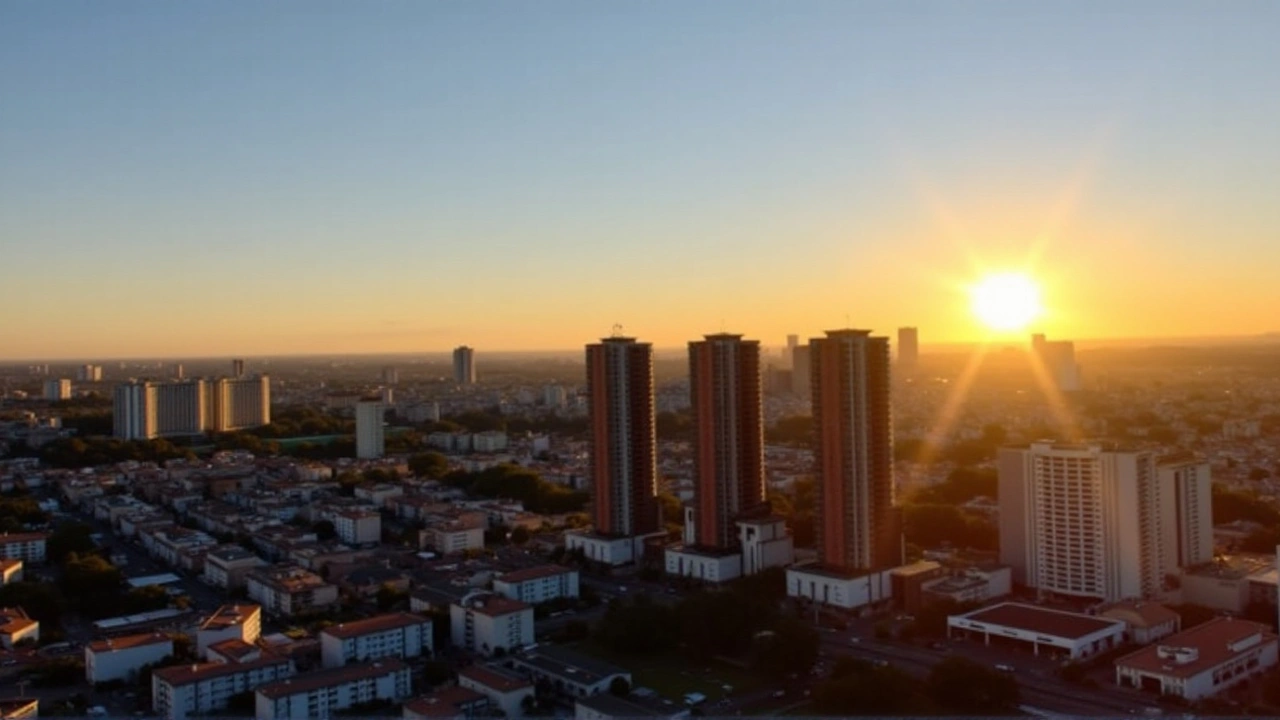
1040	620
7	538
14	620
443	703
496	606
374	625
230	615
1148	613
1213	640
533	573
328	678
128	641
186	674
234	648
500	681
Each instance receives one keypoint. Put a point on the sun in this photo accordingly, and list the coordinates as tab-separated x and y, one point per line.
1006	301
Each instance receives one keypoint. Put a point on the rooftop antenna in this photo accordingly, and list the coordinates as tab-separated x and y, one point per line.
847	322
617	330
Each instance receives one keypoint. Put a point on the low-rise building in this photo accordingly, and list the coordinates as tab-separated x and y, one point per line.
452	537
1056	633
226	566
10	571
121	658
973	585
1226	582
451	703
27	547
184	690
1144	622
607	549
16	626
710	565
909	582
231	622
766	543
632	707
847	591
356	526
568	673
1202	661
396	635
234	651
538	584
484	622
319	694
290	590
506	691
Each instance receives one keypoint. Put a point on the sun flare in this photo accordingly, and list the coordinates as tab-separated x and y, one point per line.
1006	301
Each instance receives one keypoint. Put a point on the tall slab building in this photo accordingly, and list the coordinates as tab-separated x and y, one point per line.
622	443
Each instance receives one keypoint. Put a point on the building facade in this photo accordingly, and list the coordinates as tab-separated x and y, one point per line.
482	623
1190	480
622	442
181	691
464	365
397	635
324	693
538	584
121	658
370	434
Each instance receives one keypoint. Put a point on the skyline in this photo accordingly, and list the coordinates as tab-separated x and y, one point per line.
289	179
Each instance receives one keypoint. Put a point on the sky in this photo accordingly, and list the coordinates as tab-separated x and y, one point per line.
239	178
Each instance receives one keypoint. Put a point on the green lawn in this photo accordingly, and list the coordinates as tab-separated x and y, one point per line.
671	675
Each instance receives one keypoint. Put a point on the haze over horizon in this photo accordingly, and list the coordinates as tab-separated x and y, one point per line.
306	178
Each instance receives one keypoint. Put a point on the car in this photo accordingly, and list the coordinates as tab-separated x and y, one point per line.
1006	668
779	693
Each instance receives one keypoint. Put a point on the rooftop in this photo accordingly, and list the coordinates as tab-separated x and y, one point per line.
632	706
1233	567
7	565
13	620
186	674
231	553
1055	623
1199	649
917	568
495	605
533	573
376	624
494	677
127	642
234	648
321	679
229	616
570	665
6	538
1146	614
446	703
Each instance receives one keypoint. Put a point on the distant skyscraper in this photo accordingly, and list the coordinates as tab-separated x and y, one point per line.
1094	522
859	527
554	396
89	373
390	376
59	389
237	368
1058	358
622	443
179	372
370	439
800	369
908	348
789	354
724	388
133	411
464	365
242	402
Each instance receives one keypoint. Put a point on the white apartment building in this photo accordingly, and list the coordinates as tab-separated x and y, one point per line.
10	571
57	389
121	658
489	441
142	410
452	537
356	526
16	626
231	622
505	690
396	635
1088	521
484	622
89	373
289	591
241	402
1191	482
27	547
848	591
184	690
226	566
370	437
538	584
320	694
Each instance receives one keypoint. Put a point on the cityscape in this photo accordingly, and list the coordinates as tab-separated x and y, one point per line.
651	361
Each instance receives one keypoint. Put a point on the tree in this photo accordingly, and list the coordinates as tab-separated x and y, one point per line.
519	535
437	672
857	687
388	597
963	686
69	538
619	687
41	601
92	584
431	465
324	530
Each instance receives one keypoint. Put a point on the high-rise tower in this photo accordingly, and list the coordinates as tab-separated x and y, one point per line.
622	442
908	348
724	385
859	527
464	365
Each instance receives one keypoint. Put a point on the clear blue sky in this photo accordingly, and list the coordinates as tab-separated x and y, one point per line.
182	178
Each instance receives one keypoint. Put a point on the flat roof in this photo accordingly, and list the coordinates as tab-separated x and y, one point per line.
1148	614
380	623
570	665
178	675
1233	567
149	580
327	678
493	677
533	573
1214	643
230	616
446	703
632	706
1043	621
127	642
495	605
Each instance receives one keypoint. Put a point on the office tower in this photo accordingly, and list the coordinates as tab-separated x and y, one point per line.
59	389
1058	359
390	376
464	365
370	441
240	403
237	368
728	441
1190	534
622	443
89	373
1087	520
388	396
133	411
908	348
555	396
859	527
800	369
179	372
789	354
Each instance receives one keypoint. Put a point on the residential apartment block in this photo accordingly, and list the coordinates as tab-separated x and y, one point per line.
396	635
323	693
